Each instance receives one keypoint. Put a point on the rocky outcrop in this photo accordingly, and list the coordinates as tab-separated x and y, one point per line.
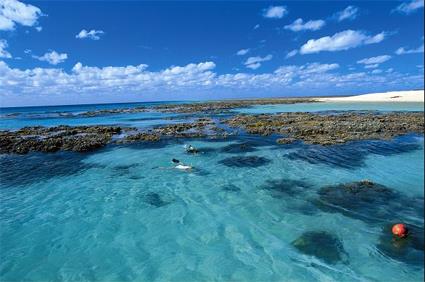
330	129
215	107
52	139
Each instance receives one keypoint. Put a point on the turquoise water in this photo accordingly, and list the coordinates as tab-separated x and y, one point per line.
123	214
340	106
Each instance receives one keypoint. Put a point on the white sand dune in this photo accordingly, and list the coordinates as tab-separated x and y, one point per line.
394	96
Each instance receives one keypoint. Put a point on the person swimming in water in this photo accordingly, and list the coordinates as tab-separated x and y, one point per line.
191	150
180	165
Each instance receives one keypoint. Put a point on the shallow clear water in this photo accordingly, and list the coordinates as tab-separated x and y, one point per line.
122	213
340	106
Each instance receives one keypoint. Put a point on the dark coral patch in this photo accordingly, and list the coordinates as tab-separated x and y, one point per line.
322	245
238	148
285	187
368	201
154	199
248	161
409	250
23	170
352	155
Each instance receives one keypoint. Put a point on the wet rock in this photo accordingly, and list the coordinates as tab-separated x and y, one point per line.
331	129
286	140
322	245
219	107
52	139
408	250
142	136
248	161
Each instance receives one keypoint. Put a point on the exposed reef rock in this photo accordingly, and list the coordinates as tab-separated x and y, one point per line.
200	128
322	245
215	107
113	111
330	129
52	139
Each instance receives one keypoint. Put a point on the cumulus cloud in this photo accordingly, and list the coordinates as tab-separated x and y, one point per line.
92	34
349	13
403	51
52	58
409	7
255	62
340	41
308	79
300	25
242	52
3	52
13	12
275	12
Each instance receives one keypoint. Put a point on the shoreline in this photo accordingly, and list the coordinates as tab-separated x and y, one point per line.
413	96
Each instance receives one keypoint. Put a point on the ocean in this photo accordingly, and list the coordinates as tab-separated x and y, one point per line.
121	213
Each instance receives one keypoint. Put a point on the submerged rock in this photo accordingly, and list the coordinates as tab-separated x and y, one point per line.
368	201
285	187
154	199
238	148
322	245
409	250
249	161
231	188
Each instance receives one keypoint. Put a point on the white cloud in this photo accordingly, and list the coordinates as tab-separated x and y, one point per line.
242	52
299	25
376	71
13	12
52	58
372	66
3	52
340	41
45	84
374	60
409	7
349	13
257	26
275	12
291	53
255	62
39	28
92	34
403	51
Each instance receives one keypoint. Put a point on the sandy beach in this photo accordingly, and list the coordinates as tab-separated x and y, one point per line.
394	96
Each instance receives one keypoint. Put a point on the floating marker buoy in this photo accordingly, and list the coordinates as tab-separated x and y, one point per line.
400	230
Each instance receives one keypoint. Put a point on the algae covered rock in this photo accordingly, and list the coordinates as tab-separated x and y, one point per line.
322	245
408	250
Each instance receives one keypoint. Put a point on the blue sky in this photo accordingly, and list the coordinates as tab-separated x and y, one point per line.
67	52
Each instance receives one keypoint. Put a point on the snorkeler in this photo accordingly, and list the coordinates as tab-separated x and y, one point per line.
190	149
180	165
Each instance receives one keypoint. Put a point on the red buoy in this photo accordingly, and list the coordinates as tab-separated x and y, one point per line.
399	230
